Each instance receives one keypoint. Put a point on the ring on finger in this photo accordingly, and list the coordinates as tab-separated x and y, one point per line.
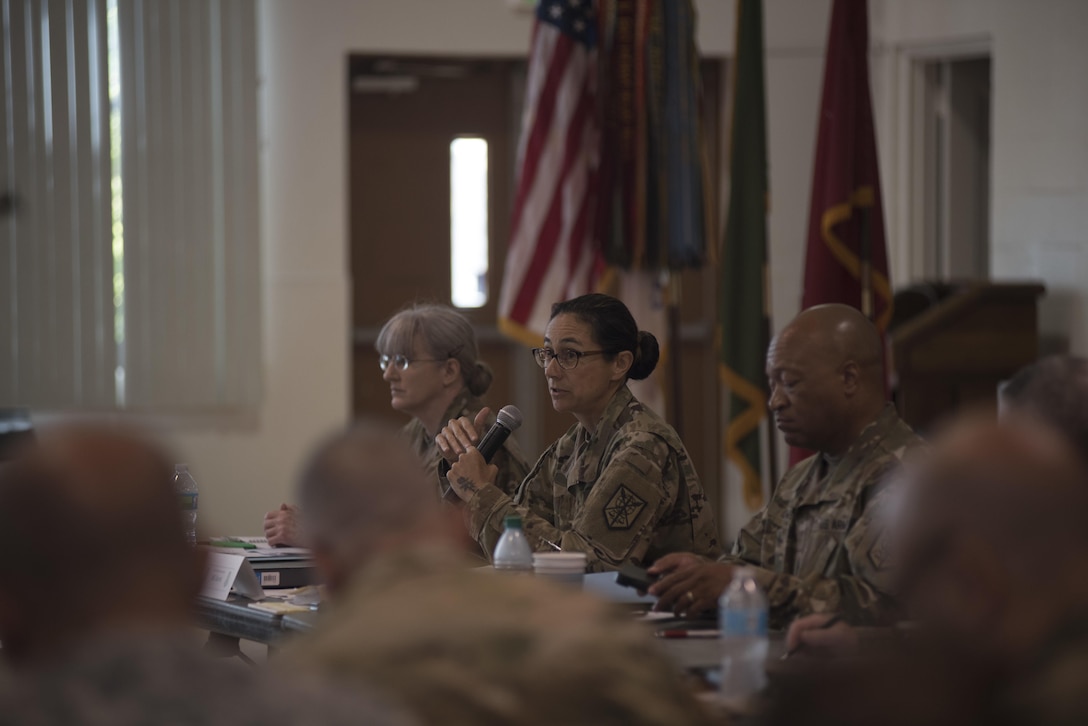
690	596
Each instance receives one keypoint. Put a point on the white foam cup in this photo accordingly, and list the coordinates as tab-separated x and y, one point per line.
565	567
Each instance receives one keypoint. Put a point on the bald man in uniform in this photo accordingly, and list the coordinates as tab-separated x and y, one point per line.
819	545
993	558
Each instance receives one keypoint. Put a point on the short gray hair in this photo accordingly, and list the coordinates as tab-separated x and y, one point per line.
1055	389
360	485
444	333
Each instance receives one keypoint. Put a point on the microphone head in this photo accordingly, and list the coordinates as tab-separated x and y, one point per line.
509	417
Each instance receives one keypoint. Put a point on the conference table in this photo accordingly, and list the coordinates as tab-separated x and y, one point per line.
233	619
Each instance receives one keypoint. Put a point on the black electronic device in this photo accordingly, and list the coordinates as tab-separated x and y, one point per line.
632	576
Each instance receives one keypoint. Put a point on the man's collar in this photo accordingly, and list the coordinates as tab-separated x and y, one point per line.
874	430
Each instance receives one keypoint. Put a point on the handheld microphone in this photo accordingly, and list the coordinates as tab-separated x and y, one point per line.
507	420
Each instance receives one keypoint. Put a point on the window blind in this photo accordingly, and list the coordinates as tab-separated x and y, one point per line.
131	263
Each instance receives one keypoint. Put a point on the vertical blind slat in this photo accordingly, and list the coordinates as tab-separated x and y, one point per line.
23	164
38	207
8	330
99	301
8	313
217	234
246	354
90	228
67	117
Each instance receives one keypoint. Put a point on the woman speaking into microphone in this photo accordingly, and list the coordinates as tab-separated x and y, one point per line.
619	485
428	357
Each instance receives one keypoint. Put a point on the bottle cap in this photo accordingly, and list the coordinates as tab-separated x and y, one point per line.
511	521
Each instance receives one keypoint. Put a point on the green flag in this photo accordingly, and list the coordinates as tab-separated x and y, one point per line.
743	324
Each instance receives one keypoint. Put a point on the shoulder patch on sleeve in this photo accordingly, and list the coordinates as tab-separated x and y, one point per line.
623	508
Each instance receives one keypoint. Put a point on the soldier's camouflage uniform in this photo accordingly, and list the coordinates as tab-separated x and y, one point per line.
139	676
462	647
511	462
626	492
821	543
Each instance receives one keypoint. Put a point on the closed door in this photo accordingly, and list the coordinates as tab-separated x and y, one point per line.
404	115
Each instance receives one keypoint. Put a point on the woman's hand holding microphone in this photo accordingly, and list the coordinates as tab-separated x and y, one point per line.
468	470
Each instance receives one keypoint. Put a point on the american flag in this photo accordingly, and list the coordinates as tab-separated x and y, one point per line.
552	254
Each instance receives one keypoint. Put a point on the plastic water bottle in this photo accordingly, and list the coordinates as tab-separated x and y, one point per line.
742	619
512	553
185	486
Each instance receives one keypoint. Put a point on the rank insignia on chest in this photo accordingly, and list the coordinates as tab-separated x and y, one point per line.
623	508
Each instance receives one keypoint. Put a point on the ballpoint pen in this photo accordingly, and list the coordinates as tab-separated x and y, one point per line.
232	543
683	633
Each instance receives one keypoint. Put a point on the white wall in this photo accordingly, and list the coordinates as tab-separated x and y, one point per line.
1039	206
1040	192
796	34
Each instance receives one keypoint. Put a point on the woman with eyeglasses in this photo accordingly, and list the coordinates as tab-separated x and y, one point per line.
428	356
619	485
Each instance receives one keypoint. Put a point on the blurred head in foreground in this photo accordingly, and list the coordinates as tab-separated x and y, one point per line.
454	645
92	539
996	547
1055	390
362	494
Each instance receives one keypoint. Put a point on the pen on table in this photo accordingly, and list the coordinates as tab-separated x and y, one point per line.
684	633
233	543
834	619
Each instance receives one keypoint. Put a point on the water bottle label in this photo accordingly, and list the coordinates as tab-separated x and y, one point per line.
744	622
187	502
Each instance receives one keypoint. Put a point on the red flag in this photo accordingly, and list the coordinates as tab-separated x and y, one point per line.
552	255
847	258
846	218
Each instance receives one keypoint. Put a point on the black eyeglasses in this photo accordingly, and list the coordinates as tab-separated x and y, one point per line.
567	358
401	362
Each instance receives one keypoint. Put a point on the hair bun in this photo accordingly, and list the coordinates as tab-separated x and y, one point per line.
646	356
478	379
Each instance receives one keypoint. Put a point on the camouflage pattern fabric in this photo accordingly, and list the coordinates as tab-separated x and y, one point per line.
136	678
511	462
457	646
626	492
821	544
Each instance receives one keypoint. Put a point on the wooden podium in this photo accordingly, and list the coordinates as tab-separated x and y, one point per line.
953	343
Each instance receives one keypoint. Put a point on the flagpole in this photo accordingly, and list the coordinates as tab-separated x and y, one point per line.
673	321
866	258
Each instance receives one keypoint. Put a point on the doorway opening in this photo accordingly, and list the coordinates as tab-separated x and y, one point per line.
950	168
